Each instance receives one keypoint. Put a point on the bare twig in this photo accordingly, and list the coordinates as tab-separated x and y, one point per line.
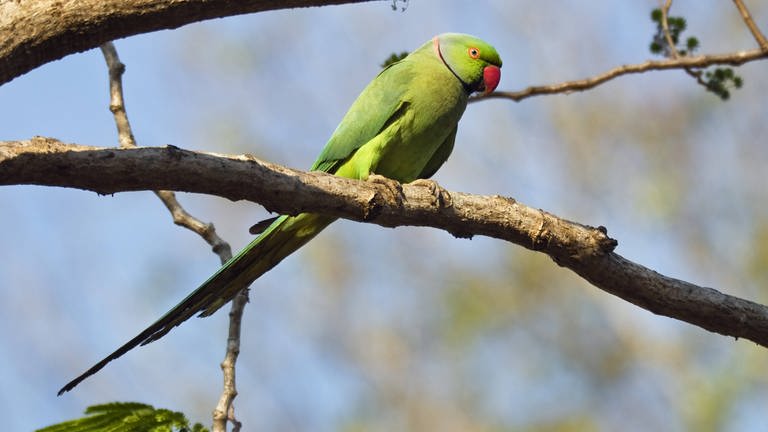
585	250
116	101
735	59
756	33
224	409
205	230
672	49
127	140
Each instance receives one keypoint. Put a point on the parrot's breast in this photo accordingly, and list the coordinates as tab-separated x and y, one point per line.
408	144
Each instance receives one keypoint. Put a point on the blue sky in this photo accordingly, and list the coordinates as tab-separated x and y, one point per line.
82	273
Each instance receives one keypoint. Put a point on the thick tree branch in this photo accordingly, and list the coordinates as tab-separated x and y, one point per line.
585	250
35	32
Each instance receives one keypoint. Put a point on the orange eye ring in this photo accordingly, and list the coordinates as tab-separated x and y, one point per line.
474	52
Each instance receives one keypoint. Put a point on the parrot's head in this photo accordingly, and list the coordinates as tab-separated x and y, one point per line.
473	61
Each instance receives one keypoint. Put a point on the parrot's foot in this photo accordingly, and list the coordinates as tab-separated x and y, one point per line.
393	186
442	197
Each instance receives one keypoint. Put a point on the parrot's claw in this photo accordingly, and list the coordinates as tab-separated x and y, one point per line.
441	196
393	186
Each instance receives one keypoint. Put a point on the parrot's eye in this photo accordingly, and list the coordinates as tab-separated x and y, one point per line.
474	53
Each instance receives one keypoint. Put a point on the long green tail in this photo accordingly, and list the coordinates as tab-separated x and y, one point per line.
280	239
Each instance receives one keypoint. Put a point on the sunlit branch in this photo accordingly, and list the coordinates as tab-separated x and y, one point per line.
747	17
733	59
585	250
35	32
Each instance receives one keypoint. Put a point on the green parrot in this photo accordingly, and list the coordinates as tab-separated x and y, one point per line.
402	127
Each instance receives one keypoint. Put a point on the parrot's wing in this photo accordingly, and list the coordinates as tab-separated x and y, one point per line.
440	156
378	106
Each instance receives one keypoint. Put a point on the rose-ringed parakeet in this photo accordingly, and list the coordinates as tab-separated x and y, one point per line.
402	126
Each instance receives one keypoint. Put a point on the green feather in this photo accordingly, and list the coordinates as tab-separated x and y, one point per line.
402	126
377	106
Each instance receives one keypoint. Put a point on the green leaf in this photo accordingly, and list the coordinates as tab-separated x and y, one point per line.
656	15
127	417
676	24
692	43
719	74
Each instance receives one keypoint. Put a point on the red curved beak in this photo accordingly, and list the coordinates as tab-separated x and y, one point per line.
491	78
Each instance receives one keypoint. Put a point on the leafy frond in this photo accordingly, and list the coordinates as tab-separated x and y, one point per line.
127	417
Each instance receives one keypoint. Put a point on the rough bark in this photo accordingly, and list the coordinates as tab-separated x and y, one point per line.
35	32
586	250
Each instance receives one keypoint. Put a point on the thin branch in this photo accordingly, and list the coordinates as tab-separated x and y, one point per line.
671	48
585	250
734	59
687	63
116	101
224	409
747	17
205	230
125	136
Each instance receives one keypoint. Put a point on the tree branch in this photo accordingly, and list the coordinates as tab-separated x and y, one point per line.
585	250
671	50
35	32
126	139
687	62
747	17
224	408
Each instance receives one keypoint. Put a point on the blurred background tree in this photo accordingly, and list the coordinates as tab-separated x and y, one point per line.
407	329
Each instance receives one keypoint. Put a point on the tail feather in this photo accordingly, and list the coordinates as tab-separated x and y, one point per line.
284	236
